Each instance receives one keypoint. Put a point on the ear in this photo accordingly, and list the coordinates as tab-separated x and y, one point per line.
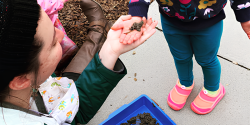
20	82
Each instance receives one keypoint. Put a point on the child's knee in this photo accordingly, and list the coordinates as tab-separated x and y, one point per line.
183	60
208	62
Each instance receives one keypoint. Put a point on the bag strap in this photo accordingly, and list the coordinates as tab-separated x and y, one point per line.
40	104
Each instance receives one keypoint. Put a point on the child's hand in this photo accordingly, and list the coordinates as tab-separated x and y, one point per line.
128	36
246	28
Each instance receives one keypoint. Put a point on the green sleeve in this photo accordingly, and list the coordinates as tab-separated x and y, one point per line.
93	86
53	75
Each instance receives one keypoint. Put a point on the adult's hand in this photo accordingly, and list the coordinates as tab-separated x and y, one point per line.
246	28
128	37
112	48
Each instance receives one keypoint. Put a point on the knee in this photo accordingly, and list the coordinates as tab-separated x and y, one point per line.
183	60
208	62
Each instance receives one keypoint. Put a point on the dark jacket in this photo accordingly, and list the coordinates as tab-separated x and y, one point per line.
94	85
193	14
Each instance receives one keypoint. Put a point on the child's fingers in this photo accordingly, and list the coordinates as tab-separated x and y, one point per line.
144	38
149	22
151	27
138	35
149	31
125	41
122	37
144	21
132	38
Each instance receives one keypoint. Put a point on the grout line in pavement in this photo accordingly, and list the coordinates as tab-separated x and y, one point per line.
233	62
219	56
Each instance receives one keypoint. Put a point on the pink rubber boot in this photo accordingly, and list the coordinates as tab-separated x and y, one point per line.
69	48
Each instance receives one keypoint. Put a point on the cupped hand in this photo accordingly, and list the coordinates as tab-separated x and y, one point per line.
120	48
246	28
128	36
112	48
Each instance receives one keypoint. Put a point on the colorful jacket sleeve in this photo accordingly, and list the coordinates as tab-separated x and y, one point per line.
51	7
241	9
138	7
94	85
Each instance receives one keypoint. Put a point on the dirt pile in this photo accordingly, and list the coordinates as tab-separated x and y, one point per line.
143	119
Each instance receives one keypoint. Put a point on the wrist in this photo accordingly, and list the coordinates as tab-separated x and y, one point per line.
108	57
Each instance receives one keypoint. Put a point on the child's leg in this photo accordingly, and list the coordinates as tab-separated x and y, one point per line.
180	47
205	46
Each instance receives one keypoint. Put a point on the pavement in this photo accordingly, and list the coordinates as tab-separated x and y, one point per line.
156	76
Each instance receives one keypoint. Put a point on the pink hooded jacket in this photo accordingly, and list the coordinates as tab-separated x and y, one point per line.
51	7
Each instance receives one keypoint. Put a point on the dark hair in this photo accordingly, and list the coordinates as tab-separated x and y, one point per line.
31	65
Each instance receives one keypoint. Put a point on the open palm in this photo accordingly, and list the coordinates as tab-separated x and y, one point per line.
120	48
128	36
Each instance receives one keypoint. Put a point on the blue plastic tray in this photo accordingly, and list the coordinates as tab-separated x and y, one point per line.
140	105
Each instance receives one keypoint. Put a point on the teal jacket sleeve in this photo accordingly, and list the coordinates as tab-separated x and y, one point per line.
94	85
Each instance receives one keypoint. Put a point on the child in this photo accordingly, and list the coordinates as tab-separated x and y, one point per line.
69	48
192	27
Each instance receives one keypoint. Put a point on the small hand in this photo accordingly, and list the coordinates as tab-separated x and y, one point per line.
129	36
246	28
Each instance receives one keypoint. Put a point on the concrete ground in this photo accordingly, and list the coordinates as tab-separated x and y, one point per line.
156	76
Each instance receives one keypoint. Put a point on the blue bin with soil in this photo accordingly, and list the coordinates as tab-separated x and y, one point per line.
142	104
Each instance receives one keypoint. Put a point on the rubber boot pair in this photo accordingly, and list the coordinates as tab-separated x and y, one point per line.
204	103
97	34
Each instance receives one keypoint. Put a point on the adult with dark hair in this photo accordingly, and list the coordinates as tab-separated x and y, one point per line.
29	53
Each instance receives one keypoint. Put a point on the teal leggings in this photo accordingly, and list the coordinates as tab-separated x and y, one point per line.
203	44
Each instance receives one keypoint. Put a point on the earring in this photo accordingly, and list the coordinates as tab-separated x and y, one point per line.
34	90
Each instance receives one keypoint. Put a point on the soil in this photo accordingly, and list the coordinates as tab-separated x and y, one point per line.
145	118
135	26
75	22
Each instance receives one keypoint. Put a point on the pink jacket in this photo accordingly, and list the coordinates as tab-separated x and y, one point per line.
51	7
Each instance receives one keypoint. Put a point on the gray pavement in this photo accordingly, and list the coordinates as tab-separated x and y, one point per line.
156	76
